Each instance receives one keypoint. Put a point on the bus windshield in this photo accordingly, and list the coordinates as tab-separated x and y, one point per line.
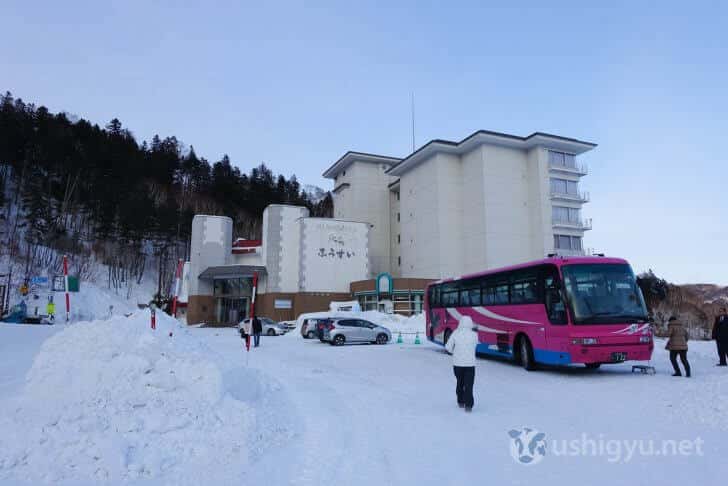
603	294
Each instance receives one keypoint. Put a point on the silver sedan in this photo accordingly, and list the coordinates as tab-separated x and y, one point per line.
349	330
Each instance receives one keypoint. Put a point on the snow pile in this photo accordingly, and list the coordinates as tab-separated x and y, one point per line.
96	302
115	401
415	323
393	322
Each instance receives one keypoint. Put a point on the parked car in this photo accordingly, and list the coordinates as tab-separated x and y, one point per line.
312	327
290	325
340	331
270	327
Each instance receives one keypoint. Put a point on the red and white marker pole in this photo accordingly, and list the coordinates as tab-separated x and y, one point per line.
65	279
252	309
177	281
252	300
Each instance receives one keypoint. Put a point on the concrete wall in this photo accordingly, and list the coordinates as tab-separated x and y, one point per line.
395	234
281	246
419	222
253	259
540	192
332	254
367	200
507	200
487	208
211	245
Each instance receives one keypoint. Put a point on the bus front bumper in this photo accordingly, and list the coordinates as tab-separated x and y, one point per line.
610	353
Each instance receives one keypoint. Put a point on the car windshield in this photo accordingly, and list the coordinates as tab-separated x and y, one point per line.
603	294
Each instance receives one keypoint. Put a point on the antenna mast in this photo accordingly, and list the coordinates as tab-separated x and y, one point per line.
412	95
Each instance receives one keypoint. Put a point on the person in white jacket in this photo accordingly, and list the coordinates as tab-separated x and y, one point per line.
462	345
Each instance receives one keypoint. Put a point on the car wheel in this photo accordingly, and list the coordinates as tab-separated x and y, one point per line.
271	332
310	335
382	338
339	340
592	366
525	354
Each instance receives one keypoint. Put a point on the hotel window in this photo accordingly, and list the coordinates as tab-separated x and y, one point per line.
562	186
566	242
368	302
397	195
565	215
562	159
399	239
399	261
397	217
417	303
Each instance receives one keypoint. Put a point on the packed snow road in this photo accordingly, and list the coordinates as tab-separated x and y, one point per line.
364	415
387	415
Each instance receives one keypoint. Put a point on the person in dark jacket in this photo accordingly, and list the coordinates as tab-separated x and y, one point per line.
720	334
677	344
257	330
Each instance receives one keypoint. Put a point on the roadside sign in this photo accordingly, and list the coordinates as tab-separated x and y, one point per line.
59	283
39	281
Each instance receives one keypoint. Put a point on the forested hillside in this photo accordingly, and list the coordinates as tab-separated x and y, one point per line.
695	305
71	186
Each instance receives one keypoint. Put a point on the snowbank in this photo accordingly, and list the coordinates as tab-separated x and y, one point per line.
95	302
393	322
115	401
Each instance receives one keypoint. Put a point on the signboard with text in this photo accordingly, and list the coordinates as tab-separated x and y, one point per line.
334	254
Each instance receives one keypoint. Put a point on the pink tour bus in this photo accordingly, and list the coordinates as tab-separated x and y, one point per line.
557	311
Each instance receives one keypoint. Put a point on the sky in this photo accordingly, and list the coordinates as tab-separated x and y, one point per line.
296	85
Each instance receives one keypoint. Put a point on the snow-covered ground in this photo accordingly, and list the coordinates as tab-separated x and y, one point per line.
114	402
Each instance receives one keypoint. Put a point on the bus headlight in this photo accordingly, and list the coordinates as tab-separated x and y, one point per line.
645	339
585	341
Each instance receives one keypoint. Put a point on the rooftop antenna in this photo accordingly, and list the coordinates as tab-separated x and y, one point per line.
412	96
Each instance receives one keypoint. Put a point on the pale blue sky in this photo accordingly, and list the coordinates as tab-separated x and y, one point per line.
298	84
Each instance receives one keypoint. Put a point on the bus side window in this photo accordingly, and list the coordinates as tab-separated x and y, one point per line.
553	299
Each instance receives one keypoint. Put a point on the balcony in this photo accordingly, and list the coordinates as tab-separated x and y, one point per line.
571	169
568	253
579	196
582	225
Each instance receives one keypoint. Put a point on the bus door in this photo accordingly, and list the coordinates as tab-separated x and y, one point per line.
558	332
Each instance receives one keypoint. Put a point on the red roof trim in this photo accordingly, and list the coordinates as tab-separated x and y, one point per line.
243	243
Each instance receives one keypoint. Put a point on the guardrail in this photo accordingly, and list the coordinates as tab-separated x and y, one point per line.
582	197
585	224
578	169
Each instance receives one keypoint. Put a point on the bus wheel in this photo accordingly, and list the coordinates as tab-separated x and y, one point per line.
448	332
525	354
592	366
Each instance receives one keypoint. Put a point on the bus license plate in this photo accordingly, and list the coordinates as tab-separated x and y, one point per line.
619	357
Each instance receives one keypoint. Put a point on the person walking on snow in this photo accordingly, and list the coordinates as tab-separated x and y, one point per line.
462	345
720	334
677	344
245	330
257	330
